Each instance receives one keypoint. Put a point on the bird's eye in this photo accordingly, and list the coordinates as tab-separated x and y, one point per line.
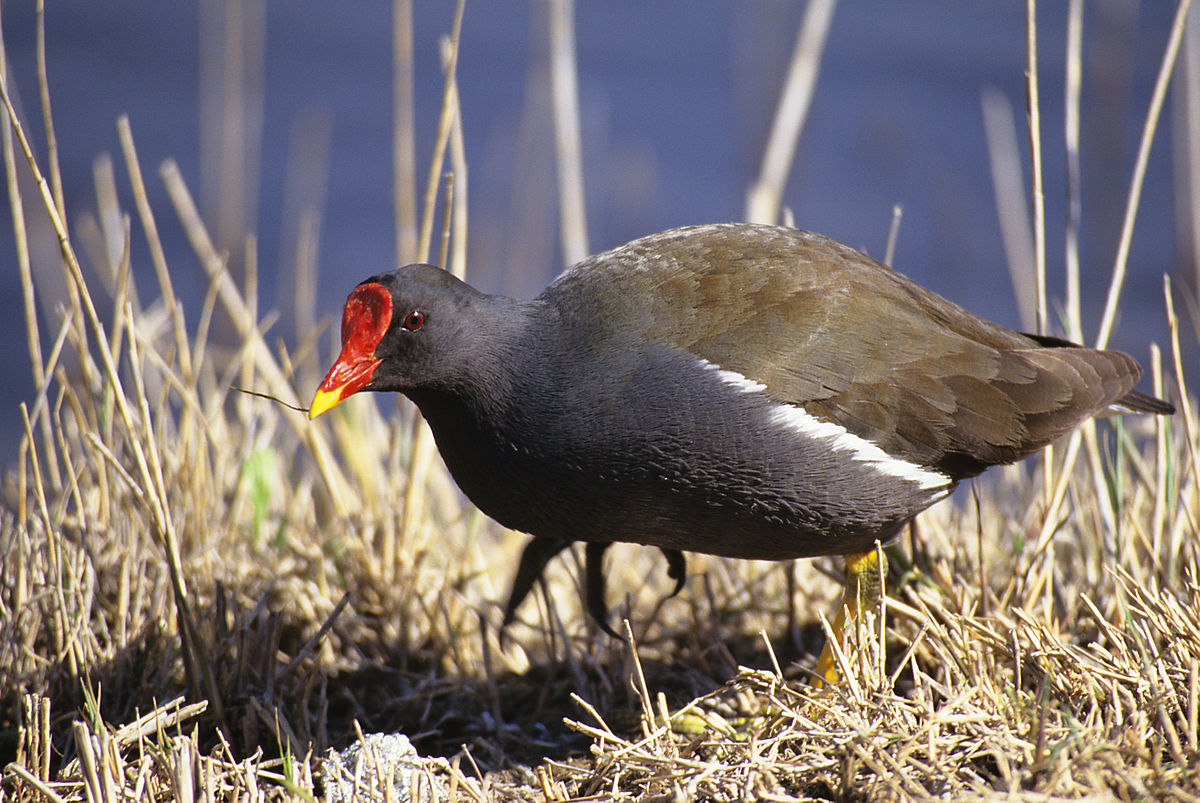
414	320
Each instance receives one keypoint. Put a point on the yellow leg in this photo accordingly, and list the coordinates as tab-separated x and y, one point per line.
862	591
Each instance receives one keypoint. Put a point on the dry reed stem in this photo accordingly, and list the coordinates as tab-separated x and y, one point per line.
1008	186
1133	199
765	198
1073	93
1038	196
404	133
568	137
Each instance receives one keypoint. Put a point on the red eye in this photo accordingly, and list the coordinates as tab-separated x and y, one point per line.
414	320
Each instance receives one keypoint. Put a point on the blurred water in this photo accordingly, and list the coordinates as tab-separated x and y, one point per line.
676	100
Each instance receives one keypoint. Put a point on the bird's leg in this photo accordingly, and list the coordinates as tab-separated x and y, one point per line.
594	581
862	591
534	557
676	569
594	585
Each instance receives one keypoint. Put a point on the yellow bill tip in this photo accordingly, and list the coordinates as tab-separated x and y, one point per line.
323	401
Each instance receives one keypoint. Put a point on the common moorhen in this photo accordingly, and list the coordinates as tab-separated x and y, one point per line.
742	390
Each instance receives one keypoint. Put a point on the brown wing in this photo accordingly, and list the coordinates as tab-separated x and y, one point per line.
854	342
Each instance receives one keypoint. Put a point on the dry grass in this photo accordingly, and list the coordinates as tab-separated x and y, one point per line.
165	538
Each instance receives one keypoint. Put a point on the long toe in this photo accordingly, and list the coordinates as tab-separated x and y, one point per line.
594	586
534	557
676	569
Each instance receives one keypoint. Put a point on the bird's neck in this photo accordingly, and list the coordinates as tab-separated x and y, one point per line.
510	382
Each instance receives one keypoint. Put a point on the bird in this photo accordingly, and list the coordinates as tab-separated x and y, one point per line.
735	389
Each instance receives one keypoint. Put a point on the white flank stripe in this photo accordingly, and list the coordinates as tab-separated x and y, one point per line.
797	419
734	379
